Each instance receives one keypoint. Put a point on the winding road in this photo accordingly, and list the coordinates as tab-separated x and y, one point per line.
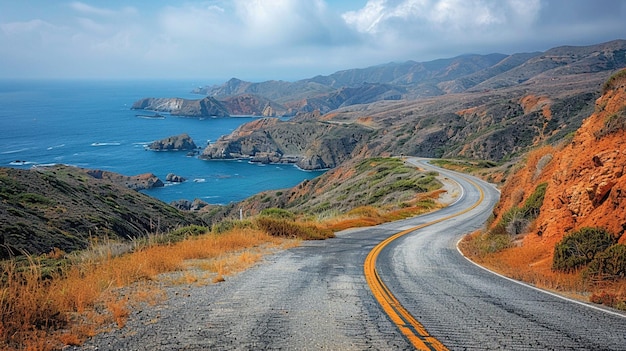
323	296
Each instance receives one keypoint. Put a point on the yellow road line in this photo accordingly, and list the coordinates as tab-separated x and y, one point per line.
413	330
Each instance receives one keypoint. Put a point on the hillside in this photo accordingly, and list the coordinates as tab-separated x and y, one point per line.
394	81
387	184
579	183
502	111
70	208
585	178
308	144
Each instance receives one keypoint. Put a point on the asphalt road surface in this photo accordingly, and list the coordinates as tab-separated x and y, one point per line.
315	297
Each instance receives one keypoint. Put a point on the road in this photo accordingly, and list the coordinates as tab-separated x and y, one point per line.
316	297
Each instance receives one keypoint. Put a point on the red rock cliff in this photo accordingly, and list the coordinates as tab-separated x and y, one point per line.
585	177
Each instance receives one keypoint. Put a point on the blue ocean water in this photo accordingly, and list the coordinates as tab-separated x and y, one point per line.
89	124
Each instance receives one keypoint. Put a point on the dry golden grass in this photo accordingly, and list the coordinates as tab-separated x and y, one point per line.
80	299
366	216
101	287
531	263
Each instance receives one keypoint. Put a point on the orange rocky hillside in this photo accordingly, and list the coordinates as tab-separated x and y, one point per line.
586	184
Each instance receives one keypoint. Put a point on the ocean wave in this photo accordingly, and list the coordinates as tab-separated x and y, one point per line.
21	163
199	180
106	144
56	146
14	151
43	165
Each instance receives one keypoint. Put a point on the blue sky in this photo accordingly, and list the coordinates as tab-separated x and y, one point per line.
280	39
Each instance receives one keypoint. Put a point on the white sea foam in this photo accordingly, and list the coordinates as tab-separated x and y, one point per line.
56	146
199	180
21	163
106	144
14	151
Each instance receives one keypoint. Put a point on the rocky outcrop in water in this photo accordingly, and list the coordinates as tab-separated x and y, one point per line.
136	182
187	205
181	142
171	177
206	107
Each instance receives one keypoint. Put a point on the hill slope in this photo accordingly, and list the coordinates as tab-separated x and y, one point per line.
394	81
486	107
578	184
586	182
67	208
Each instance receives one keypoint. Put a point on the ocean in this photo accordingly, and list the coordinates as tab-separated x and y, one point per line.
90	124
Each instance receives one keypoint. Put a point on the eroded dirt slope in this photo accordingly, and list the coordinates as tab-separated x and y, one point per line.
586	184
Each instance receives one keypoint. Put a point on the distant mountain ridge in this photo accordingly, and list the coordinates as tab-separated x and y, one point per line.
398	81
484	107
489	107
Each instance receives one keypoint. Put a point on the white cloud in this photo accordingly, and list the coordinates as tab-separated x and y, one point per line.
92	10
86	9
12	29
283	39
441	15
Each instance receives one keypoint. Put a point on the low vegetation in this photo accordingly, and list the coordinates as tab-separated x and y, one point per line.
512	225
589	262
580	248
44	309
61	298
64	207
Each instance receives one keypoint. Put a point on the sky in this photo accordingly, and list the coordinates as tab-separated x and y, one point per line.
259	40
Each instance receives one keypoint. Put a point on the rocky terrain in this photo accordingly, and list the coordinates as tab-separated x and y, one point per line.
491	107
309	144
70	208
206	107
584	176
394	81
181	142
137	182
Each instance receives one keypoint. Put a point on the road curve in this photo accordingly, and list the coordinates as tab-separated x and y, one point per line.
315	297
466	307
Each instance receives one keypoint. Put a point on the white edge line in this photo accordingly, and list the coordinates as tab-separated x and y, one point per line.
586	304
589	305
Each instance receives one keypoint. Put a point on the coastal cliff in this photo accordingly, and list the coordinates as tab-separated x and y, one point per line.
310	145
206	107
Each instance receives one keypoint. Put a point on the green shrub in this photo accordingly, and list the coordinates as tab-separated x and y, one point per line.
533	204
517	224
230	224
187	231
32	198
609	264
611	82
286	228
277	213
516	220
580	248
612	124
508	216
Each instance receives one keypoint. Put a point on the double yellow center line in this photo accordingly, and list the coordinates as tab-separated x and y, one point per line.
413	330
